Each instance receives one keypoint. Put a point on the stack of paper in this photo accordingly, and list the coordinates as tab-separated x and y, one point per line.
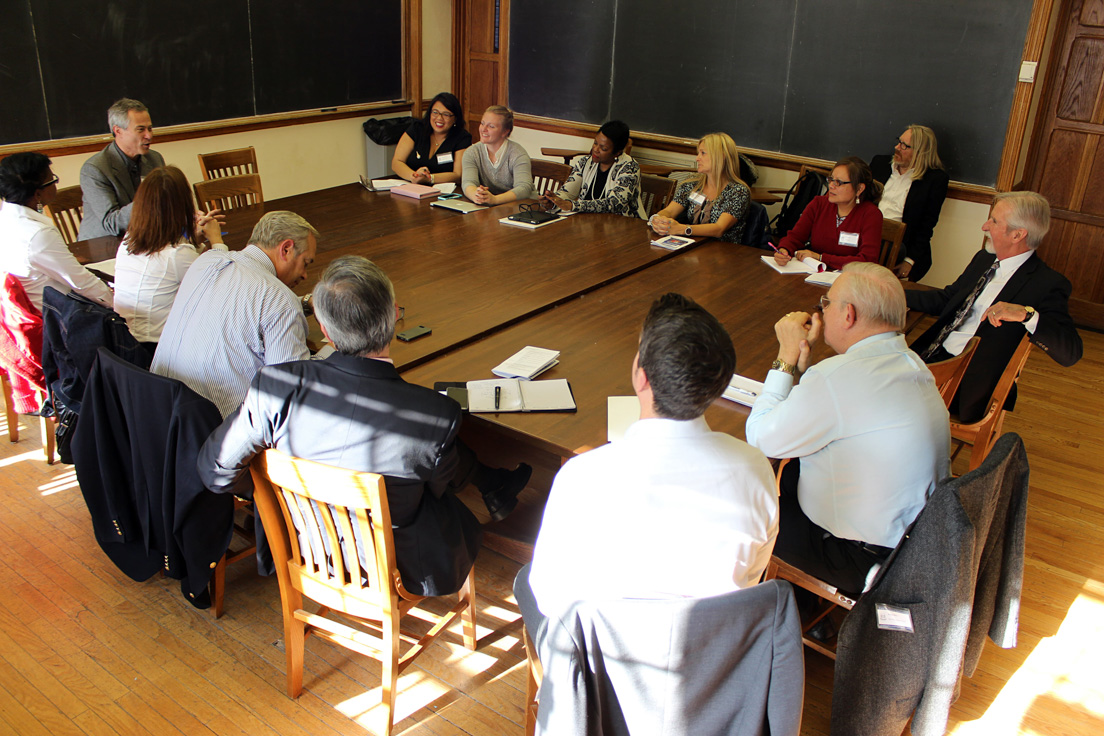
805	265
527	363
742	390
824	278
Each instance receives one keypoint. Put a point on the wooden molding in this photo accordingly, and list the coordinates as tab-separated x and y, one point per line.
412	44
957	190
187	131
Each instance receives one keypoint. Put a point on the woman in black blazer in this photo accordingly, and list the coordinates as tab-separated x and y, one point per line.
916	175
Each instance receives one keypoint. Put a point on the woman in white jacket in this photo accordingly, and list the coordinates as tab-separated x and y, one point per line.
608	180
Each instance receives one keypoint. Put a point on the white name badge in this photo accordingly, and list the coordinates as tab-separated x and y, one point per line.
894	618
697	198
850	239
444	158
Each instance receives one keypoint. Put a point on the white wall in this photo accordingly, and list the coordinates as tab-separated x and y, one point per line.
957	236
436	47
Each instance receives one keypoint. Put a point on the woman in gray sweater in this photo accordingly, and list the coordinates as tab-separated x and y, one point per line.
496	170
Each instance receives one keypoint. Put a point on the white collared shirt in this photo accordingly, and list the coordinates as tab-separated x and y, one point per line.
895	193
956	341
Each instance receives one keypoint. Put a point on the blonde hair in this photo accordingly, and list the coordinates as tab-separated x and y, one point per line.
876	294
725	158
506	113
925	151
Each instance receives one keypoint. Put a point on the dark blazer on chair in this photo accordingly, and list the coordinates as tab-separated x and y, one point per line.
109	191
1034	284
921	213
359	414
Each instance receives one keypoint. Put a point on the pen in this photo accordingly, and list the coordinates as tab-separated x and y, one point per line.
773	246
498	396
743	391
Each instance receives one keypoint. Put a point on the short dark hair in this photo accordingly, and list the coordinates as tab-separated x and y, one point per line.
859	173
452	105
617	132
687	355
21	175
355	302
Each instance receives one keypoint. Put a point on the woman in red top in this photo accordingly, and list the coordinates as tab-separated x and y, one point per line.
841	226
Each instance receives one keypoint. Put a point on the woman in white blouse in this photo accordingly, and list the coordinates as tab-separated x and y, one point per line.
160	245
31	248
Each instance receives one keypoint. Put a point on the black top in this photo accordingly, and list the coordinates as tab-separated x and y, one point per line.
457	139
600	178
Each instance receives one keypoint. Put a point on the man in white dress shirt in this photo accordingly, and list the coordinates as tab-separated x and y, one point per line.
235	312
868	428
671	510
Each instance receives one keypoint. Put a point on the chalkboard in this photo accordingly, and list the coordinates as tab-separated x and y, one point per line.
64	63
802	77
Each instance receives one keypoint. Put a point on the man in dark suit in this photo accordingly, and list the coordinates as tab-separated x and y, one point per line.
353	410
111	177
1005	291
915	186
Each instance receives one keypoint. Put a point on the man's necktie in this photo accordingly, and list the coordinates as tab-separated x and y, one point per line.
963	311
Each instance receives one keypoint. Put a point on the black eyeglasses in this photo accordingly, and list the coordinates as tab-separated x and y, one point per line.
837	182
439	114
904	145
50	183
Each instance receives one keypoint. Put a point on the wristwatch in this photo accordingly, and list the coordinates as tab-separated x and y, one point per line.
687	230
1030	313
781	365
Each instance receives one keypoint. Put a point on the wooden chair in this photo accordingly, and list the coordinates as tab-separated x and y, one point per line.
229	192
320	522
893	232
983	434
249	550
535	675
49	441
67	211
656	192
948	373
228	163
548	176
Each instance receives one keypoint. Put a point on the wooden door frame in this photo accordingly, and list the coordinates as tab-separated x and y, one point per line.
461	52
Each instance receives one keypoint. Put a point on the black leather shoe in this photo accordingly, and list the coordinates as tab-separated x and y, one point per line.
501	499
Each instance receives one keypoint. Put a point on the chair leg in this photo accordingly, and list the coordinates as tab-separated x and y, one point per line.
9	408
533	681
49	441
294	634
467	616
390	673
218	587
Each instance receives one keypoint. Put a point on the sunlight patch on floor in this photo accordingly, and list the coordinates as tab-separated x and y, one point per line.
63	482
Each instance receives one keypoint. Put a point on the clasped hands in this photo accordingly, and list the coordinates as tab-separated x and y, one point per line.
482	195
210	224
422	176
798	333
663	225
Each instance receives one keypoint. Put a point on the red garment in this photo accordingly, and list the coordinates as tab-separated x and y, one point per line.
21	346
817	227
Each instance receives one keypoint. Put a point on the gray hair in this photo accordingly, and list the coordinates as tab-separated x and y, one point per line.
275	227
1028	211
876	294
355	301
118	115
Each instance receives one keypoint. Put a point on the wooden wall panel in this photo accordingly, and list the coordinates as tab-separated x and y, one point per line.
1093	201
1092	13
1081	86
1061	167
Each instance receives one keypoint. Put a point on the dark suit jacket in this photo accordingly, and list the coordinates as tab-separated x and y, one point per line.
921	213
357	413
1034	284
109	191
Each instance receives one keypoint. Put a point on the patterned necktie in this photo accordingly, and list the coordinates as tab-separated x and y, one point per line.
963	311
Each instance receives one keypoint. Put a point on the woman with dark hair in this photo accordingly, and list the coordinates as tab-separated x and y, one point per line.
841	226
159	247
31	248
608	180
431	151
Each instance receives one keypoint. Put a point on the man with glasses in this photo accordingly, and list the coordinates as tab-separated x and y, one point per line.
866	429
111	177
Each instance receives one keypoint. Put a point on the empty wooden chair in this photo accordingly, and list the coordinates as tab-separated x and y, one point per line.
656	192
67	211
229	192
548	176
893	232
948	373
331	539
228	163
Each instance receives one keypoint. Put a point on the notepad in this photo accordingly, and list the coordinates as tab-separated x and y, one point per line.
527	363
457	205
517	395
447	187
805	265
673	242
743	390
824	278
382	185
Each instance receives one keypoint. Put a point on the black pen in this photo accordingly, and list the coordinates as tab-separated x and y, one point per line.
498	396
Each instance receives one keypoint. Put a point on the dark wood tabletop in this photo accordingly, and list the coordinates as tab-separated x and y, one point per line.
597	335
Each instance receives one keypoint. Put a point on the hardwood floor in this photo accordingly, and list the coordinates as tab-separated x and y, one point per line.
85	650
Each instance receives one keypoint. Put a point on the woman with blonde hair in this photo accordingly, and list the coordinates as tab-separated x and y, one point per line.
712	203
161	243
915	186
496	170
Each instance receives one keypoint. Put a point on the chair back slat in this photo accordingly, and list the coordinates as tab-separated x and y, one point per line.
548	176
229	192
893	232
228	163
67	211
656	192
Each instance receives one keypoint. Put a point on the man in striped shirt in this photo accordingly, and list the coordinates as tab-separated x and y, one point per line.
236	312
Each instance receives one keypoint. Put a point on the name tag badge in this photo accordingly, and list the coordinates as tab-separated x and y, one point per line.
444	158
697	198
894	618
850	239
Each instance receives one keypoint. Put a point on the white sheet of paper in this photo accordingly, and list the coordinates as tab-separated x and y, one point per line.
447	187
621	413
743	390
481	395
525	363
107	266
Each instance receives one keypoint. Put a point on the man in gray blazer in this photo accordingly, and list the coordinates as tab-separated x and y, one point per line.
110	178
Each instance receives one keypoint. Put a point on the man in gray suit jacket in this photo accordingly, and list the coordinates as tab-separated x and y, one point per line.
110	178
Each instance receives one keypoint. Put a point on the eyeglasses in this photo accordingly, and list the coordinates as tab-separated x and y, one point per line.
824	302
50	183
401	313
442	115
837	182
904	145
